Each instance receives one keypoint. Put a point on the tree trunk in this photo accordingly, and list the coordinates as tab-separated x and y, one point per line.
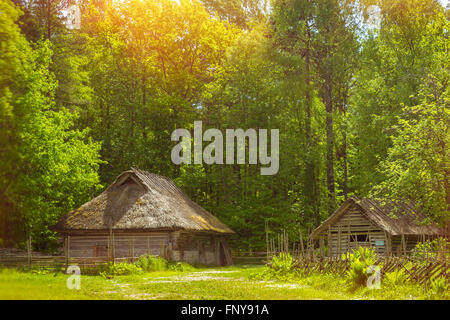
310	184
330	141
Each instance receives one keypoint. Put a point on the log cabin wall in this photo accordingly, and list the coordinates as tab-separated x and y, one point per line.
410	241
353	230
193	248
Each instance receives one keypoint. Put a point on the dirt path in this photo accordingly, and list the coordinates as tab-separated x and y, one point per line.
210	284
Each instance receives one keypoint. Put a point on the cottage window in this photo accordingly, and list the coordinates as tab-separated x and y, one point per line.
359	238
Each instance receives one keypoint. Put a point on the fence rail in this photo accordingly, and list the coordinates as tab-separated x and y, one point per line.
417	271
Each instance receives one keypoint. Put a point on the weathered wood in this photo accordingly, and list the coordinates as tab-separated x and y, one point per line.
330	245
322	247
403	245
29	249
301	243
339	253
266	227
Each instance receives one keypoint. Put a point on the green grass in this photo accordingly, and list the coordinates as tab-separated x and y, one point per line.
201	283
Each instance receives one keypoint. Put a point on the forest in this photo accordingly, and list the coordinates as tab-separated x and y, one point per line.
358	89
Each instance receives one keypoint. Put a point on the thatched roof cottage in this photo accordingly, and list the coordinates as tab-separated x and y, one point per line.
389	227
144	213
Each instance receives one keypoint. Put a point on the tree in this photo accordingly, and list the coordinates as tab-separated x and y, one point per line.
417	166
47	166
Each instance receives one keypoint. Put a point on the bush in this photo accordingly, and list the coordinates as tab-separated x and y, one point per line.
395	278
150	263
360	260
120	269
439	288
430	249
180	266
283	263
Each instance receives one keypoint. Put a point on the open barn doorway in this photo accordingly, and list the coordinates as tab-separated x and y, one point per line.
225	255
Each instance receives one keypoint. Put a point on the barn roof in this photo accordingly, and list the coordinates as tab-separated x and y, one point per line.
139	200
394	217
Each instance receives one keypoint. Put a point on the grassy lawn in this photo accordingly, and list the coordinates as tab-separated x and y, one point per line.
203	283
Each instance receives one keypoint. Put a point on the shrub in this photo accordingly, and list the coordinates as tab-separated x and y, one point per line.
439	287
150	263
395	278
282	263
281	267
120	269
430	249
180	266
360	260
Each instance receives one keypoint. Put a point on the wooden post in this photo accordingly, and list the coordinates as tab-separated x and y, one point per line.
110	254
339	246
278	246
286	237
108	248
68	251
132	250
267	240
348	236
322	247
301	243
65	248
148	245
403	245
424	250
129	248
388	244
113	247
29	249
330	247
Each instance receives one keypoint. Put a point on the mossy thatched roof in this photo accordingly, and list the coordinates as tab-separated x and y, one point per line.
139	200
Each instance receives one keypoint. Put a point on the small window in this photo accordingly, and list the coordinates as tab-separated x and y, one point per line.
359	238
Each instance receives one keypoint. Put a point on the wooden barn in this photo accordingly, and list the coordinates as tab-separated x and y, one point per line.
144	213
389	227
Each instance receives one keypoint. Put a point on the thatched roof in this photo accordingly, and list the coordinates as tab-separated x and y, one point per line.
139	200
394	217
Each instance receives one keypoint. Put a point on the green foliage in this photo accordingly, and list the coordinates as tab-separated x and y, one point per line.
440	288
360	110
120	269
150	263
180	267
360	260
145	263
283	263
281	267
431	249
395	278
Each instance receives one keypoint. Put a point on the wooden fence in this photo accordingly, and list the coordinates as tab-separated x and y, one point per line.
417	271
87	265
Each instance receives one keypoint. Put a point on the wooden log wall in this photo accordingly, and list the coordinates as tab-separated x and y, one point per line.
177	246
353	230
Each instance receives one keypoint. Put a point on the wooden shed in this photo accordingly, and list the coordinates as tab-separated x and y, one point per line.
144	213
389	227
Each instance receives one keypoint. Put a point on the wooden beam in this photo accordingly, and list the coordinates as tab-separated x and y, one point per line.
330	246
403	245
322	247
339	244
